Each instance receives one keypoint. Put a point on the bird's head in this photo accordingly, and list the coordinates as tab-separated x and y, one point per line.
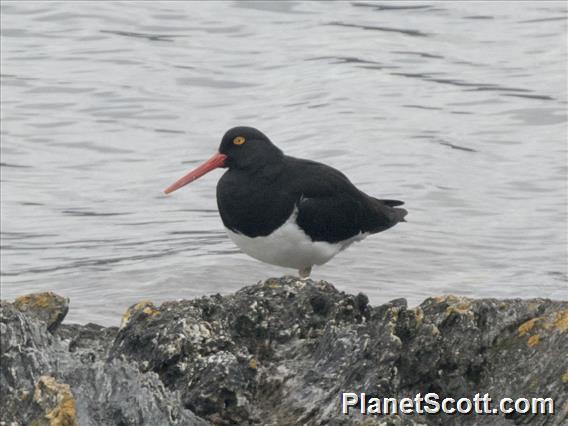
244	148
248	148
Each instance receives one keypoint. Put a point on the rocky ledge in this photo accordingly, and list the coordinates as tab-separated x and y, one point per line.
279	352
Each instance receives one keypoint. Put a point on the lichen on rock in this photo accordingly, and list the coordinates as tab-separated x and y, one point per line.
48	308
56	402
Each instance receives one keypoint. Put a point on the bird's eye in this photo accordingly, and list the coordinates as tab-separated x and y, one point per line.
239	140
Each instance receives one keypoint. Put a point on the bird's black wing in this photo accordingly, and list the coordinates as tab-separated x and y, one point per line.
332	209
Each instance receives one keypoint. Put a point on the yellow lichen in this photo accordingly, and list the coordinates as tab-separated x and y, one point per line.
392	317
272	284
418	314
557	321
253	364
561	321
565	376
40	300
527	326
141	305
533	340
456	304
64	412
150	310
447	298
145	306
125	318
462	308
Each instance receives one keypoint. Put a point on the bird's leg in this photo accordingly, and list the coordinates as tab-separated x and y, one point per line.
305	273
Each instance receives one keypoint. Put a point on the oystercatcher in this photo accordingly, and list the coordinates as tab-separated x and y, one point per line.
288	211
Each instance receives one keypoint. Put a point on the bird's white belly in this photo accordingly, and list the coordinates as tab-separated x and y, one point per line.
289	246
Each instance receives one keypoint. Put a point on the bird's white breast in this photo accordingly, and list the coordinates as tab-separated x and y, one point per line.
289	246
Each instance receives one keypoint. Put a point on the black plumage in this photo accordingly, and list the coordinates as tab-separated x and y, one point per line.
256	197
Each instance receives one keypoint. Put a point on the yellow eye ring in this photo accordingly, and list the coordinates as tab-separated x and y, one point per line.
239	140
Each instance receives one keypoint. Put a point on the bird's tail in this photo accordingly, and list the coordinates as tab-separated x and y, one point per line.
398	213
392	203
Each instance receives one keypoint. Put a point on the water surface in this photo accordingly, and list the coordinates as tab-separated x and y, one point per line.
457	108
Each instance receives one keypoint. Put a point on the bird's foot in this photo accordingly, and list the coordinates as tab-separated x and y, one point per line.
304	273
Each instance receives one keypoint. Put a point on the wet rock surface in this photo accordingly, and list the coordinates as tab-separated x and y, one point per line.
280	352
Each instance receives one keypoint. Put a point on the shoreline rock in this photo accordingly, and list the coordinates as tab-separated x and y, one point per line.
278	352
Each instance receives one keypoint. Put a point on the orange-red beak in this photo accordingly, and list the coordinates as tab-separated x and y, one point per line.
218	160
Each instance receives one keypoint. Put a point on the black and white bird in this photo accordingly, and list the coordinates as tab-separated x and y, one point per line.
288	211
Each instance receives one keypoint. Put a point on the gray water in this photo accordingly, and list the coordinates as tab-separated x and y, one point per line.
457	108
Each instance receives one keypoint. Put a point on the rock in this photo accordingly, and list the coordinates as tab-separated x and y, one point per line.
282	352
91	341
52	379
48	308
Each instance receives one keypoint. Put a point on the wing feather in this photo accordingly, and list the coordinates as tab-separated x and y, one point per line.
333	209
